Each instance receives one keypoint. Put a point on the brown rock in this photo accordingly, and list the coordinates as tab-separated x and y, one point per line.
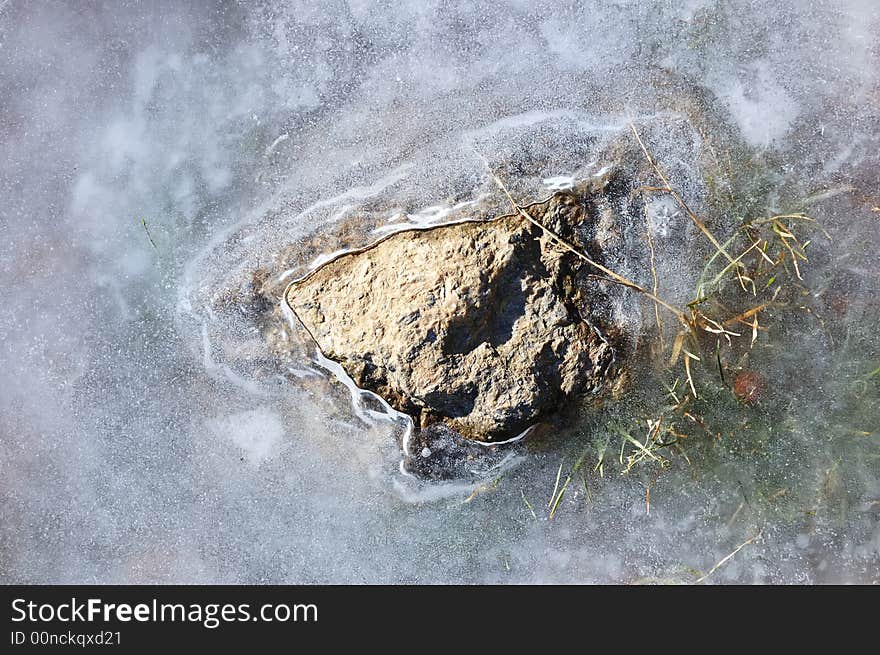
484	326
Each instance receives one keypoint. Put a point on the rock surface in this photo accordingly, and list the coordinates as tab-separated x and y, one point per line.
483	326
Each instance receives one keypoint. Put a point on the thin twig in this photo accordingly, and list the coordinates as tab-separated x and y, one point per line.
687	370
718	277
616	277
149	236
724	560
748	313
667	188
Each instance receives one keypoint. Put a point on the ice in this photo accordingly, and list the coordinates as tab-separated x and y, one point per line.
761	106
258	432
155	155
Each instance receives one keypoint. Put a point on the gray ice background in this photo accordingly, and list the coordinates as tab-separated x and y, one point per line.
126	455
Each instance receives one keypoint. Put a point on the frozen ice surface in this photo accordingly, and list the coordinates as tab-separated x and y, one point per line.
153	151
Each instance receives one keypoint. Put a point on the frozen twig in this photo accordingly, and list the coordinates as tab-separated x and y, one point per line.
725	559
615	277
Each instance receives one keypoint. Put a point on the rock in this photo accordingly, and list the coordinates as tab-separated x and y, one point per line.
486	327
